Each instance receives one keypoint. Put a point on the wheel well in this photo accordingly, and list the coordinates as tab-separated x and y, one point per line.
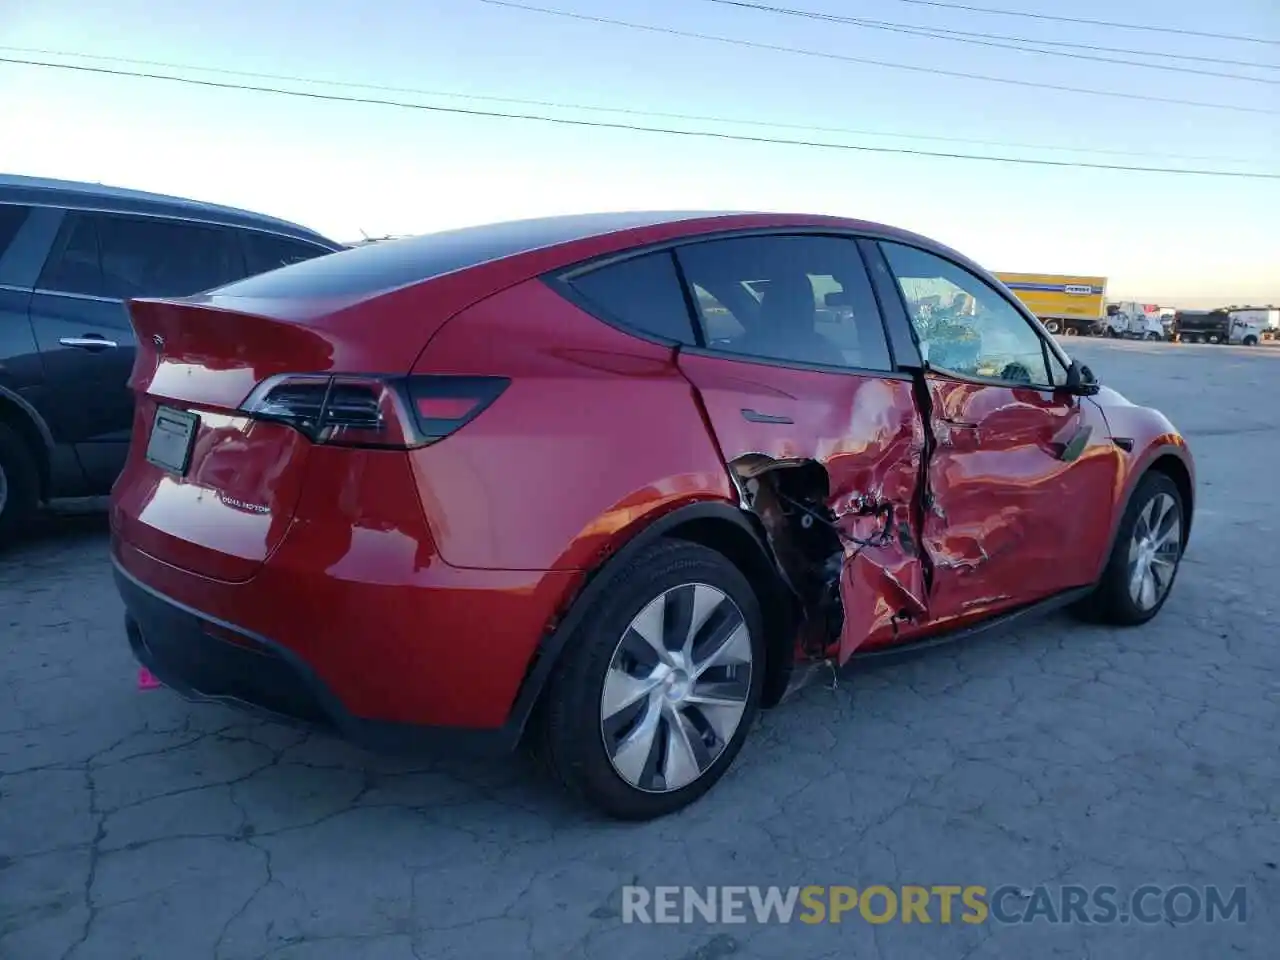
778	605
17	420
1177	471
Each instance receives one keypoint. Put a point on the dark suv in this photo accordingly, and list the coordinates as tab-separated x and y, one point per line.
71	254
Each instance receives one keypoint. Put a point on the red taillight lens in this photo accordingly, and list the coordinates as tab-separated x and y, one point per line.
371	411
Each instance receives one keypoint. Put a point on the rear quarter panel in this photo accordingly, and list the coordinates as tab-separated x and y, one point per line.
597	434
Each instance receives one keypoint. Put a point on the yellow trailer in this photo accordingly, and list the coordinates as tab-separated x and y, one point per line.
1064	304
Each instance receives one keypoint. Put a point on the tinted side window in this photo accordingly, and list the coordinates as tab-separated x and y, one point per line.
643	292
12	218
805	299
146	257
73	266
265	251
963	324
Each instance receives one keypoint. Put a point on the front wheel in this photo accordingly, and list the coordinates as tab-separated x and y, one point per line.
1250	341
1144	560
655	692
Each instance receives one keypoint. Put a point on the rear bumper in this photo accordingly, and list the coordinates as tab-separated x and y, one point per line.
385	646
209	660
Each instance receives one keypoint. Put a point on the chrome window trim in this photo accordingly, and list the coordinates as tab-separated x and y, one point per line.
114	211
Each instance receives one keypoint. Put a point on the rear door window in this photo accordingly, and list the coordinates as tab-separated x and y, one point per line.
267	251
74	265
800	299
151	257
642	293
108	255
12	217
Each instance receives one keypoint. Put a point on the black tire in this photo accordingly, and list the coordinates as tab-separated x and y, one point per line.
1250	341
1111	602
571	739
1053	326
19	484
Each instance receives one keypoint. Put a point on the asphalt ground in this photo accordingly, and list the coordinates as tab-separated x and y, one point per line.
1054	758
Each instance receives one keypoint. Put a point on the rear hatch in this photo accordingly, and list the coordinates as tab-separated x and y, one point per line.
227	395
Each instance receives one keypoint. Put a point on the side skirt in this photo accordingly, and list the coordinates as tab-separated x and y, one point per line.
1031	611
812	672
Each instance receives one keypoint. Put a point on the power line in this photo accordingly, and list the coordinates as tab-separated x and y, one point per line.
610	125
998	41
756	45
1067	44
1151	28
627	111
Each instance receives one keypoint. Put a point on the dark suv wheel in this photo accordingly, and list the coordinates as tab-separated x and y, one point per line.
653	697
19	483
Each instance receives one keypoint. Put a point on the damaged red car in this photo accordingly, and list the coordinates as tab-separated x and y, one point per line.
610	484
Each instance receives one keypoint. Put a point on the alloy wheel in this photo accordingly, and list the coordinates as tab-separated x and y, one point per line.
1154	551
677	688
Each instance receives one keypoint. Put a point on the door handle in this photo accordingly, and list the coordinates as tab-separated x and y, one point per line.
89	343
757	417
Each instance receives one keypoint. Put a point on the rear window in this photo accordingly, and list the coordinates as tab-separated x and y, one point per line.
643	293
267	251
12	218
388	264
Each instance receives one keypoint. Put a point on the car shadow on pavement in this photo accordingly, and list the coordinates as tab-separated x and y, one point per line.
56	529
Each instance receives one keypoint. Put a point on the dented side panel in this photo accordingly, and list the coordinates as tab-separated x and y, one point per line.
1020	492
866	434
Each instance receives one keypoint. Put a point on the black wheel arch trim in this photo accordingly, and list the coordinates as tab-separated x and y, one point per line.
32	414
1144	467
553	643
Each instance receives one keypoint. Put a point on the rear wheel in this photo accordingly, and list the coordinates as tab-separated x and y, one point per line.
1213	338
19	483
1071	331
1053	326
655	692
1144	561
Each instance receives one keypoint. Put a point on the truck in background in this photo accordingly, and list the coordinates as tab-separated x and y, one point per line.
1263	323
1068	305
1202	326
1136	321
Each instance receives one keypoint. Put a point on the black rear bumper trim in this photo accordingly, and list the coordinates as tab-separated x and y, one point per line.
266	679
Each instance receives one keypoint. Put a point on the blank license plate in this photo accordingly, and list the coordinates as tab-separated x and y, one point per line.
171	437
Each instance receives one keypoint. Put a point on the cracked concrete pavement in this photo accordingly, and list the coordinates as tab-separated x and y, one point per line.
135	825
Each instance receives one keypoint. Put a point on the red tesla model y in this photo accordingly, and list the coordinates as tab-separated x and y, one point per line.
609	484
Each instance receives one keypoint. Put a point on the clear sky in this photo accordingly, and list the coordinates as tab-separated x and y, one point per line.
346	168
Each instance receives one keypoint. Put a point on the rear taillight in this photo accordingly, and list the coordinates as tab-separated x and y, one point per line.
373	411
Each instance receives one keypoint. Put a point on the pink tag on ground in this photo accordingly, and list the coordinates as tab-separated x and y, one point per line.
147	679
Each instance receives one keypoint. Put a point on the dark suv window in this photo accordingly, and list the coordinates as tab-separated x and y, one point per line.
265	251
643	293
107	255
74	266
12	218
804	299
